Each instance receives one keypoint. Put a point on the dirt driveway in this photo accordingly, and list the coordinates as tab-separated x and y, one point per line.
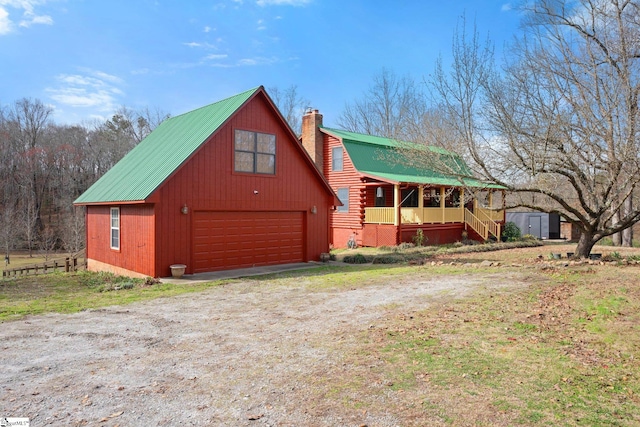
248	353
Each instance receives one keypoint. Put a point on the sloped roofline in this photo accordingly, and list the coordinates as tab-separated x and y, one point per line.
166	157
394	178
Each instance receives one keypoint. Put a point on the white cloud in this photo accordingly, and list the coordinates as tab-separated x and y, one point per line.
257	61
93	89
282	2
216	56
6	26
506	7
261	25
140	71
202	45
207	29
29	16
36	19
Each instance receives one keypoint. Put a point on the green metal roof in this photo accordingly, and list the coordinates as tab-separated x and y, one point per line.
155	158
379	158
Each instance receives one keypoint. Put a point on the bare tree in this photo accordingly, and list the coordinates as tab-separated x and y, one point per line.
72	231
558	124
27	125
9	226
291	104
392	107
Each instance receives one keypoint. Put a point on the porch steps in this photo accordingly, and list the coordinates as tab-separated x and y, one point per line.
482	224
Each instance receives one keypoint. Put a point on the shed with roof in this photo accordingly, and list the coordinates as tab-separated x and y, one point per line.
224	186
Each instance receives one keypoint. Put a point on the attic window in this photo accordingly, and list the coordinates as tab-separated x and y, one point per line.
255	152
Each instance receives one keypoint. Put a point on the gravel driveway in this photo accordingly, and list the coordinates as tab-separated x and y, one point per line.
248	353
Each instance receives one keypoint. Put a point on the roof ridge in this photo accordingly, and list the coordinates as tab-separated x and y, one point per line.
255	89
389	142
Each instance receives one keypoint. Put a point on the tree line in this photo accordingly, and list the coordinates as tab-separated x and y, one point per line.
45	166
556	120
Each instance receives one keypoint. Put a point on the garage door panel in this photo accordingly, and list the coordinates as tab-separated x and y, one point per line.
225	240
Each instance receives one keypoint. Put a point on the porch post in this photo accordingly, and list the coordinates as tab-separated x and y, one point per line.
396	205
442	204
462	202
490	199
420	203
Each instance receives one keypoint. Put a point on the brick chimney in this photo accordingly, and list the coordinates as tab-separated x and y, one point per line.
312	138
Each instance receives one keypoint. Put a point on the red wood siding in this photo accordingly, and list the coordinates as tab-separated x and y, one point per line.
137	237
343	224
221	239
371	195
436	234
207	182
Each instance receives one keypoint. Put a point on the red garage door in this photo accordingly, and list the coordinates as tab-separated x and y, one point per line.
227	240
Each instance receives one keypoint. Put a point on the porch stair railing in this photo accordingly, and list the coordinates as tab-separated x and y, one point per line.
482	224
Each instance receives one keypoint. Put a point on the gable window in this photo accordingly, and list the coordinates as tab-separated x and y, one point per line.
255	152
336	159
115	228
343	195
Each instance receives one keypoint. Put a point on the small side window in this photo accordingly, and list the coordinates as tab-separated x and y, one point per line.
343	195
336	159
115	228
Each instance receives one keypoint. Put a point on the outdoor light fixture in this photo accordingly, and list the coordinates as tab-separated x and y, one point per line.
379	192
314	210
184	209
255	192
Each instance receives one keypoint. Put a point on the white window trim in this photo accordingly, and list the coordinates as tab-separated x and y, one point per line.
112	228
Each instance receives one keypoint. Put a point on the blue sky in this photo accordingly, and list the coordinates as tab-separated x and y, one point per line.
86	58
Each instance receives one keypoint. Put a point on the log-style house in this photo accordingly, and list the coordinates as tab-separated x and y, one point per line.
385	202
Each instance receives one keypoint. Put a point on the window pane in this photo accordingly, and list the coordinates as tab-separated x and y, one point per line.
266	164
266	143
245	140
343	195
244	162
115	217
115	238
336	159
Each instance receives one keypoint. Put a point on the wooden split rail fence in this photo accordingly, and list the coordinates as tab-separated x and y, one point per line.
74	262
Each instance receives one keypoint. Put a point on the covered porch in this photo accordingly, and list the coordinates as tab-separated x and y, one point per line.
411	205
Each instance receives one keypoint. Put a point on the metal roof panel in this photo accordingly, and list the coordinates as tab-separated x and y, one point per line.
138	174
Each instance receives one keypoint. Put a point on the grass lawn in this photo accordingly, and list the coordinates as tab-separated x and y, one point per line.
562	350
73	292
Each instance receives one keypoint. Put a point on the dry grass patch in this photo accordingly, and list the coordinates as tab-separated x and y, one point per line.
563	351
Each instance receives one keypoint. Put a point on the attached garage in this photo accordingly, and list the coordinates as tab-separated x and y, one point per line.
224	186
236	239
